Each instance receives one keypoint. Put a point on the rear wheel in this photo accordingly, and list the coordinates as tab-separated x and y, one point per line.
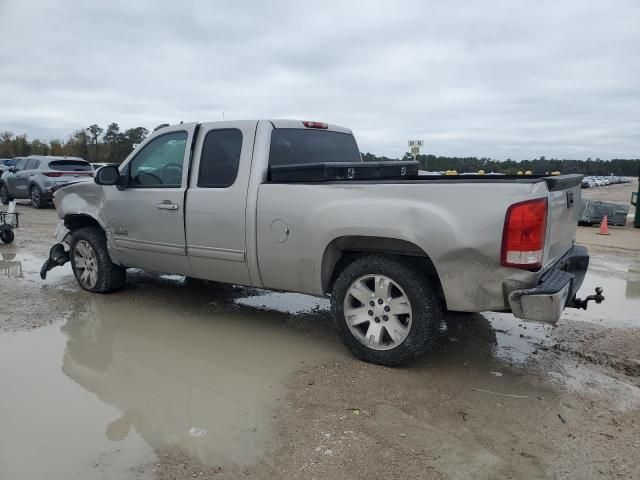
386	310
36	197
5	198
91	264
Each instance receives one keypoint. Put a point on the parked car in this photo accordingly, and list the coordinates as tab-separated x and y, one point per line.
34	177
392	254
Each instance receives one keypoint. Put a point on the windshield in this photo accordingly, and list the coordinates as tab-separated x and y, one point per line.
296	145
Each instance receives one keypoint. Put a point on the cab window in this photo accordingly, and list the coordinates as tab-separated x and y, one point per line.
220	158
159	164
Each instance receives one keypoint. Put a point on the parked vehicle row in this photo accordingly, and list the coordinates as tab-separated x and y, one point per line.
36	177
596	181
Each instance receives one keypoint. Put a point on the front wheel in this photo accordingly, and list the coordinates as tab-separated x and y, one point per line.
36	197
91	263
386	310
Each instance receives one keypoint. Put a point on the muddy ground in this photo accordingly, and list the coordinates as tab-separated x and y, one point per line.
172	378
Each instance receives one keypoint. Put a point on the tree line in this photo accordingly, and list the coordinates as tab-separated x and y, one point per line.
110	144
94	143
538	166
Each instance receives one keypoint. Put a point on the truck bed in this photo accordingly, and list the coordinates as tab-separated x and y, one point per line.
554	183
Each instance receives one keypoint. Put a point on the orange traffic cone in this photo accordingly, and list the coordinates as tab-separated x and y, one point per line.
604	226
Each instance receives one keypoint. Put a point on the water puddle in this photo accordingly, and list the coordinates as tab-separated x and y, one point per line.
27	266
516	340
619	276
291	303
126	375
169	363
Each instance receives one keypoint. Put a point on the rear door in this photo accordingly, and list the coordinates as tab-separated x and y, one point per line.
217	201
146	219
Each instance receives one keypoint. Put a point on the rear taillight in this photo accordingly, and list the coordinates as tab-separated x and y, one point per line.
315	125
52	174
523	236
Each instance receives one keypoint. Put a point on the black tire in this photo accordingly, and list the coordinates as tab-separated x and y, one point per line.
35	194
7	236
426	308
110	277
5	198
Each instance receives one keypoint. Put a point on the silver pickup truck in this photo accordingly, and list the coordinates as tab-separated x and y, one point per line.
393	254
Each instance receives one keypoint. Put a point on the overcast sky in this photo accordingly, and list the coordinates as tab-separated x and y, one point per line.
510	79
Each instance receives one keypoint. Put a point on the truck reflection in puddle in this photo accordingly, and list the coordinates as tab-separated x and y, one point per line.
9	266
203	383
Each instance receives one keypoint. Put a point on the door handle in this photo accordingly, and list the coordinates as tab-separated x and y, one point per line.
167	205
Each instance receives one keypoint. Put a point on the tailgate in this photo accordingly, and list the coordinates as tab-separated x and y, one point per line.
565	202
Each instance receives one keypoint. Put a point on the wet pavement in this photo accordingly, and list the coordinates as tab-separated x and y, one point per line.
619	276
171	363
122	379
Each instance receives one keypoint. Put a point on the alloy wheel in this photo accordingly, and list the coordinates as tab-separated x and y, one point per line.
378	312
86	263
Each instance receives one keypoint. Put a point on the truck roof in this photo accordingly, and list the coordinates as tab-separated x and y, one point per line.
283	123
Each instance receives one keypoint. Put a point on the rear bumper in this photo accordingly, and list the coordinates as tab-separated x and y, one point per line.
556	289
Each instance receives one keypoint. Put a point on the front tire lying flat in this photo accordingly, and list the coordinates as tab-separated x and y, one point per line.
386	310
91	263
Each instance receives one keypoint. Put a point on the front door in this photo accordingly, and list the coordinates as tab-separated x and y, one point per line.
217	201
146	219
15	181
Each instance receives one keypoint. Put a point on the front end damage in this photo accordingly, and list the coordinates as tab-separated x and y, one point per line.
59	253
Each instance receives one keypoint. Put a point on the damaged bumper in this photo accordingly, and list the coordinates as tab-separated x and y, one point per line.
556	290
58	255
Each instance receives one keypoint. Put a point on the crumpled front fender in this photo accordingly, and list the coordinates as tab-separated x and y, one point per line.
81	199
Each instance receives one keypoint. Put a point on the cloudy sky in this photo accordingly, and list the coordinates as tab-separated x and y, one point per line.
503	79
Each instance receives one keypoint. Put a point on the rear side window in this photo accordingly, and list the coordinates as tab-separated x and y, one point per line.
20	163
296	145
220	158
70	165
32	164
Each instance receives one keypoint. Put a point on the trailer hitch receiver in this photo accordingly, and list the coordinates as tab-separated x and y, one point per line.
579	303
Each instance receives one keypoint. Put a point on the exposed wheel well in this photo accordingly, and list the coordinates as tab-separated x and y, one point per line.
344	250
74	222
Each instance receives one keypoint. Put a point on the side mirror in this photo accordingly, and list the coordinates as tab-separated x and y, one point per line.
107	175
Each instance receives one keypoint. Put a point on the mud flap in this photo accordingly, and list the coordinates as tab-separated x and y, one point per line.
58	256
